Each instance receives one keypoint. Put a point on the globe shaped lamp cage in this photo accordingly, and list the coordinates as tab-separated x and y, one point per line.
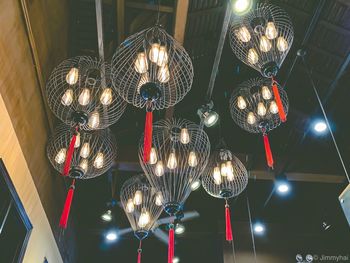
80	92
94	151
254	108
142	204
179	154
262	38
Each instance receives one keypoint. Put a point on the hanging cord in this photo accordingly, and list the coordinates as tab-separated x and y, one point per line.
251	228
139	252
325	117
158	13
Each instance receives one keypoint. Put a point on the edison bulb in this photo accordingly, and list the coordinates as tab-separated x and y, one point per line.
223	170
153	156
273	107
138	197
154	52
252	56
106	97
84	97
162	57
144	218
217	175
61	156
85	150
84	165
130	206
271	31
72	76
163	74
141	63
94	120
159	170
192	159
241	104
261	109
172	162
184	136
77	141
265	44
282	44
98	162
266	93
159	199
251	118
230	175
67	97
243	34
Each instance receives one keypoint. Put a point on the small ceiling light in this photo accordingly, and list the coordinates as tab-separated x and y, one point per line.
111	235
195	185
320	126
208	115
283	188
176	260
325	225
259	228
241	7
107	216
179	229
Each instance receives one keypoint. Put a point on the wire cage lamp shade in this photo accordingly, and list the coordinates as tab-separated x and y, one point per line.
254	108
179	154
142	205
152	70
225	177
80	93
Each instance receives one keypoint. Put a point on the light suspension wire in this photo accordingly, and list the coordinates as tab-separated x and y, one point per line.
251	229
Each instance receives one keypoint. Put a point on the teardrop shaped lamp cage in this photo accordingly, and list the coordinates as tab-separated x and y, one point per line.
80	93
94	151
262	38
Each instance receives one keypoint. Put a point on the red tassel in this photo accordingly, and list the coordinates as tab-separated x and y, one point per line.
171	244
277	96
269	157
228	223
147	143
139	252
67	206
70	152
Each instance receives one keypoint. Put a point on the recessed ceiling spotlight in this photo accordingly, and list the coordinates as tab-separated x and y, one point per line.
107	216
176	260
320	126
241	7
283	187
325	225
259	228
195	185
208	115
111	235
179	229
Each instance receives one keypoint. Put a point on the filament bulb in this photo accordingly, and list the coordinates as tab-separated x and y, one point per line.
153	156
266	93
241	103
243	34
217	175
251	118
129	206
138	197
61	156
273	107
159	170
98	162
164	74
141	63
230	175
162	56
282	44
77	141
144	218
85	150
154	52
159	199
84	165
94	120
252	56
84	97
106	97
172	162
261	109
72	76
223	170
271	31
184	136
265	44
192	159
67	97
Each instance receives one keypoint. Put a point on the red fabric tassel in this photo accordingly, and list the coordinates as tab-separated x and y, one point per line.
228	223
139	252
277	96
69	157
269	157
147	143
171	244
67	206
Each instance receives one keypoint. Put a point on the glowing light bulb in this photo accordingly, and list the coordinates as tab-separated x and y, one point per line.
273	107
98	162
84	97
230	175
271	31
84	165
251	118
243	34
217	175
154	52
163	74
106	97
184	136
141	63
192	159
130	206
162	57
282	44
77	141
138	197
159	170
85	150
266	93
67	97
144	218
94	120
252	56
265	44
72	76
159	199
241	104
61	156
261	109
172	162
223	170
153	156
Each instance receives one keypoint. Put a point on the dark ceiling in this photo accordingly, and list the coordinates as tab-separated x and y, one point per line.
322	28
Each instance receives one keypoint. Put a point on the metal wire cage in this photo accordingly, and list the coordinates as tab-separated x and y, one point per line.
151	66
94	151
179	154
225	176
80	92
142	204
253	106
262	38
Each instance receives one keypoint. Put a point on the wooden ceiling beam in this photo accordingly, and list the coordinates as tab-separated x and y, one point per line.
150	7
120	20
